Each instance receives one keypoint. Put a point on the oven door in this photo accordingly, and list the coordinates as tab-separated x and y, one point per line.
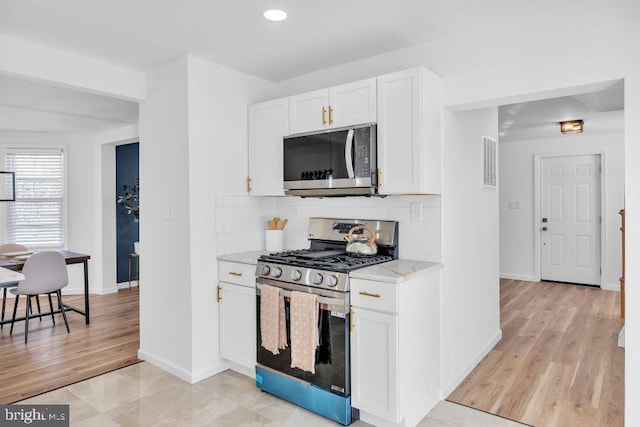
332	355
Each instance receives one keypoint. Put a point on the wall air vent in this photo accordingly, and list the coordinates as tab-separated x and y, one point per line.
489	162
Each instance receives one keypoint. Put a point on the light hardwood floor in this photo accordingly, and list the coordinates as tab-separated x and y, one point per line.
53	358
558	363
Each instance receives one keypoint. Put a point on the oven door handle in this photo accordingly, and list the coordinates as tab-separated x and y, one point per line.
321	300
348	158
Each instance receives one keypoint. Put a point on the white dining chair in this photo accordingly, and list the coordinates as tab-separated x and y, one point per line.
45	273
8	248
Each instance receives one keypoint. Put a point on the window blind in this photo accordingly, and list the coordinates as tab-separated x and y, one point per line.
36	217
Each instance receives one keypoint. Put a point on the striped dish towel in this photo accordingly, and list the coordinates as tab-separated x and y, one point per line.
304	331
273	326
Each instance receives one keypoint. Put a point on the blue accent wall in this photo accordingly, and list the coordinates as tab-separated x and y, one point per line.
127	231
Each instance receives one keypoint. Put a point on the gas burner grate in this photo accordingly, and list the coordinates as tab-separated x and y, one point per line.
339	261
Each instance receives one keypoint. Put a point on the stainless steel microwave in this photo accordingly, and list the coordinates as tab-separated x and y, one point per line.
336	162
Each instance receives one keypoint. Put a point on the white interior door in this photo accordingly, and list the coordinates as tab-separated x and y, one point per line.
570	215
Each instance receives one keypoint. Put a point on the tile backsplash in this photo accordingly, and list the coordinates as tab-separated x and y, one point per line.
241	220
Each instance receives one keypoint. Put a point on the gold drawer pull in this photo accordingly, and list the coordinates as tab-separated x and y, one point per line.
233	273
367	294
219	297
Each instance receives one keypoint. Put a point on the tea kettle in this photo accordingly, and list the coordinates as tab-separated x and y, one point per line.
361	244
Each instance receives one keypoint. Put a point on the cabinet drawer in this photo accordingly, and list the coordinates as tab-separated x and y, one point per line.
372	295
240	274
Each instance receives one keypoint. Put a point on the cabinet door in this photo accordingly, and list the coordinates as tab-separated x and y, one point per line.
238	324
353	103
308	111
399	132
374	363
268	124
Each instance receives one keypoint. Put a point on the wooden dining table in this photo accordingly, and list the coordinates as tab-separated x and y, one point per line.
14	264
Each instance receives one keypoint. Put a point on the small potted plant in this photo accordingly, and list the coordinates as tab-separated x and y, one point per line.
130	200
131	204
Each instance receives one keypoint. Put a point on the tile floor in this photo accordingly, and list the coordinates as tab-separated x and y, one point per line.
144	395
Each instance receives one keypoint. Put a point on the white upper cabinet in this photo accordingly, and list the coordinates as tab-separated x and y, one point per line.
268	124
353	103
308	111
409	132
344	105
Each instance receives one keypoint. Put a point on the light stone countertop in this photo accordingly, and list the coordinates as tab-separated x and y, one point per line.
396	271
244	257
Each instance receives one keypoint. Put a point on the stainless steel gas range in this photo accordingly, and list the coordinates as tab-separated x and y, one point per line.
322	270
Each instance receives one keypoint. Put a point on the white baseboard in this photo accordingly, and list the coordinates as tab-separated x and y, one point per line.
105	291
621	338
251	373
518	277
446	391
183	374
125	285
209	371
165	365
610	287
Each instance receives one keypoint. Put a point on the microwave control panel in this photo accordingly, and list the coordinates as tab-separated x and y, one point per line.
362	153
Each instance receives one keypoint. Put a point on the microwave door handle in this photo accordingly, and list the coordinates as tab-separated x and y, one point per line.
348	158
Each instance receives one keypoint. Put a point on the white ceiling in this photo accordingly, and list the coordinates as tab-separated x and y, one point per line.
143	34
601	111
28	106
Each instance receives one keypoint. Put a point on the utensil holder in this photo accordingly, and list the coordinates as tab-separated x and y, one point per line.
273	240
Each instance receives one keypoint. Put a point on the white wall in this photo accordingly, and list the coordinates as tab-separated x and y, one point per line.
218	98
517	226
193	130
632	234
470	310
165	304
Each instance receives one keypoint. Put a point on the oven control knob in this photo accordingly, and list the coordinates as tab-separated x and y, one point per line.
317	278
265	270
277	272
296	275
332	281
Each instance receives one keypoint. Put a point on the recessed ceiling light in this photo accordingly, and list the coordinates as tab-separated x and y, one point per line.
275	15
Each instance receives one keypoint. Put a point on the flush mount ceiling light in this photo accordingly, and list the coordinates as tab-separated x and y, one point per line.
571	126
274	15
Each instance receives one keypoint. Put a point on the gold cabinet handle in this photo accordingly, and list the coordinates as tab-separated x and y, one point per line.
249	184
379	184
367	294
324	111
351	320
330	111
233	273
219	296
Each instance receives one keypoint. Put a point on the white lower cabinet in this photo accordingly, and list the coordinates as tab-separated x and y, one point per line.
237	308
395	349
374	363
